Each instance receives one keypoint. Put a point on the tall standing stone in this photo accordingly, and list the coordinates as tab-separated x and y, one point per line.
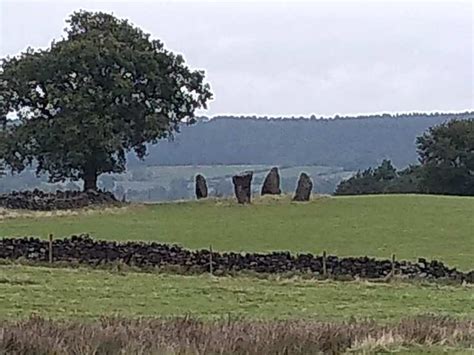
303	190
201	187
271	185
242	186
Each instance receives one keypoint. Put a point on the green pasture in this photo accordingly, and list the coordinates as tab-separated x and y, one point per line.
87	294
410	226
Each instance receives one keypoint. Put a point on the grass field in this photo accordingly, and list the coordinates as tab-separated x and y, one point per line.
87	294
410	226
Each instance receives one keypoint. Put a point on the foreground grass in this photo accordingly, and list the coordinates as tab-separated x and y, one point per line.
87	294
410	226
191	336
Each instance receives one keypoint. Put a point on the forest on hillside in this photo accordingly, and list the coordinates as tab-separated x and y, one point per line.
351	143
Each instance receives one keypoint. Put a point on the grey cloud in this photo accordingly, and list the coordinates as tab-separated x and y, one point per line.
295	58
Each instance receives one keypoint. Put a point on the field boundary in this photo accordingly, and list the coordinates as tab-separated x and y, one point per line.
83	250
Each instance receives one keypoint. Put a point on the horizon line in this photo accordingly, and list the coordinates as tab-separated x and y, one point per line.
338	115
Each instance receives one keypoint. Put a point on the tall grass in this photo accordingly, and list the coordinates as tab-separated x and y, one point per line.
192	336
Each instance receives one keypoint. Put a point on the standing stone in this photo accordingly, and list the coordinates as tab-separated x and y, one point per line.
201	187
303	190
242	186
271	185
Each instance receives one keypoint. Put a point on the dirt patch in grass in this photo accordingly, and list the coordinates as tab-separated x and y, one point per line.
192	336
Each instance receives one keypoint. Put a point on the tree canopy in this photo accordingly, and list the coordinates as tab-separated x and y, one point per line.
447	155
105	89
3	142
369	181
384	179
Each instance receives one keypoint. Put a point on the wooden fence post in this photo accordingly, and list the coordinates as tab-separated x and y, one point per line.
393	265
50	251
210	260
325	272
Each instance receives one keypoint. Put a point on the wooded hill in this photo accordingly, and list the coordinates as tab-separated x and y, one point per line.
349	142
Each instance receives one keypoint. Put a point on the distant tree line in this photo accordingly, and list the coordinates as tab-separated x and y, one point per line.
352	143
382	180
446	154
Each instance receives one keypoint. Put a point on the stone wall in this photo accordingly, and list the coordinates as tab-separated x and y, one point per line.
83	249
37	200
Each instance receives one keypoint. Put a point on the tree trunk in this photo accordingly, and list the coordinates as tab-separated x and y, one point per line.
90	181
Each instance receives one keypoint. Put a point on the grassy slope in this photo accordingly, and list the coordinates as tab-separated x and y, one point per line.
86	293
408	225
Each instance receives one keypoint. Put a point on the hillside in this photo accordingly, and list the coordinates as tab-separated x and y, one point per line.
348	142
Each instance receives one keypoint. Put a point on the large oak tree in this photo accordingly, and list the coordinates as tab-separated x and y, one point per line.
105	89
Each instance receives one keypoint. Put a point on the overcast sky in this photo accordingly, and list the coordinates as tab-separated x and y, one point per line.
287	58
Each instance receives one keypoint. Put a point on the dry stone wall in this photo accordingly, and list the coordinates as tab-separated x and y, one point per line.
85	250
37	200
